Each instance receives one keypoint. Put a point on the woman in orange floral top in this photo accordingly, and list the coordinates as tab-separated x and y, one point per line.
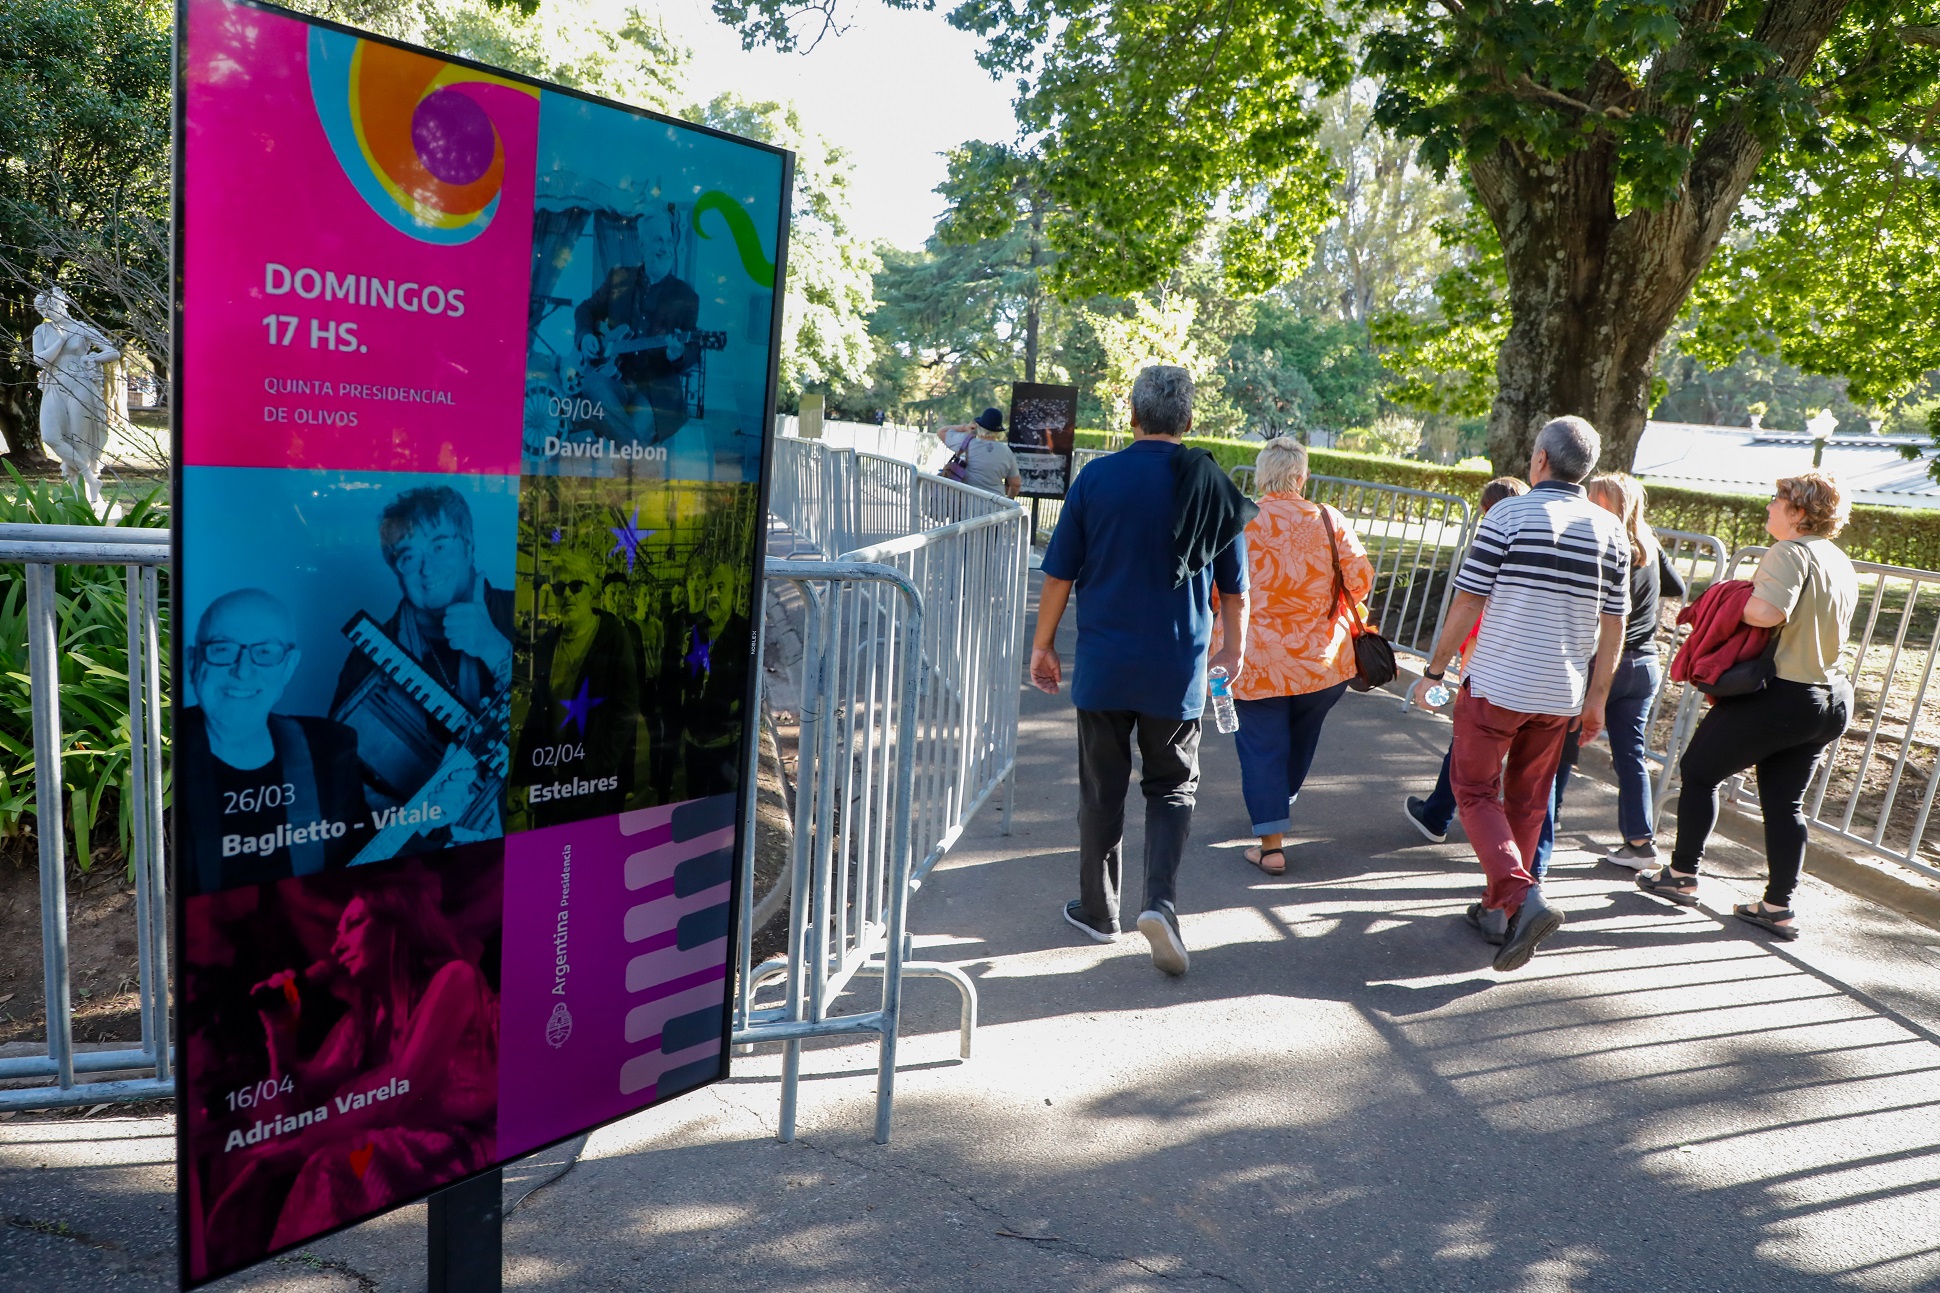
1299	643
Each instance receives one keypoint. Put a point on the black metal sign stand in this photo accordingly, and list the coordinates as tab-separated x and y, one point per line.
465	1236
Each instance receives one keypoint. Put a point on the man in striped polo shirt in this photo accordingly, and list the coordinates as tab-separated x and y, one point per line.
1551	569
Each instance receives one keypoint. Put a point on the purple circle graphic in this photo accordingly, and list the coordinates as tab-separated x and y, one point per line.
453	136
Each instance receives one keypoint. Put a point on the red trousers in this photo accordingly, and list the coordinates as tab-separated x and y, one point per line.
1503	812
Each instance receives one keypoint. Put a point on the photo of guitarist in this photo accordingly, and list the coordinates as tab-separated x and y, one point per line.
636	338
452	630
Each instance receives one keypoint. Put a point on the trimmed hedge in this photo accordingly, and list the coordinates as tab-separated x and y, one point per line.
1893	536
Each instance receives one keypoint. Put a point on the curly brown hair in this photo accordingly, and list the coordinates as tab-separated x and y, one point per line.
1823	506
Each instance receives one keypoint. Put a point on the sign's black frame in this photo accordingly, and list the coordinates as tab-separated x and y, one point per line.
177	411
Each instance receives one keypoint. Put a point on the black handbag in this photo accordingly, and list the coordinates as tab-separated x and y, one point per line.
1747	676
1374	664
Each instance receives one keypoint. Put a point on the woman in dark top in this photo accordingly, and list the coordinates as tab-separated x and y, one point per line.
1638	675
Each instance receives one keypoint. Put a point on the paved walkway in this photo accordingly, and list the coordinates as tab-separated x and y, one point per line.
1341	1095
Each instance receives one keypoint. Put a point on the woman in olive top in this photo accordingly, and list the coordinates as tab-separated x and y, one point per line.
1805	590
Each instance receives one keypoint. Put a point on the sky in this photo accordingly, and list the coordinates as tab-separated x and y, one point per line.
895	89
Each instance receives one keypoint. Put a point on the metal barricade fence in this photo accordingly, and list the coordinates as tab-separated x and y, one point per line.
1702	559
971	575
812	492
142	552
1876	789
908	722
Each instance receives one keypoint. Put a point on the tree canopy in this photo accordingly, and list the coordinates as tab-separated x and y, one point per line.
1608	143
83	169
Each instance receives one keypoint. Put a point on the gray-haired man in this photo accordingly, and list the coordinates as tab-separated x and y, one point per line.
1552	571
1144	626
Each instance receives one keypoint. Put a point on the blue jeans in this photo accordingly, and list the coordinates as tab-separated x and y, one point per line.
1634	684
1276	741
1637	679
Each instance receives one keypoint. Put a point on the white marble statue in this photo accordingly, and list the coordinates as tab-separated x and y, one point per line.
73	402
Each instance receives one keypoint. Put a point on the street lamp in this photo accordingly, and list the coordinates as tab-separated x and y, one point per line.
1820	429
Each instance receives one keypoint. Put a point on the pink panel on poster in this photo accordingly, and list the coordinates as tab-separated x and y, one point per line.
615	967
358	249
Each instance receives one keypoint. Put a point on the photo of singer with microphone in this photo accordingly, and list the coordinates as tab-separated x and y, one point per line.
353	1054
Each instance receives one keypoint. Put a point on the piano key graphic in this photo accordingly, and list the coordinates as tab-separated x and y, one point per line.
676	928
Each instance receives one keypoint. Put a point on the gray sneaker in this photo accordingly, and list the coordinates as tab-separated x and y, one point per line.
1534	921
1638	857
1491	922
1160	925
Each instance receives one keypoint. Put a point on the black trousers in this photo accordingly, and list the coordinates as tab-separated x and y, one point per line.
1783	731
1168	749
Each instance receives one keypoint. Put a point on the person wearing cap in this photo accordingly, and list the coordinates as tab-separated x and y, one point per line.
991	465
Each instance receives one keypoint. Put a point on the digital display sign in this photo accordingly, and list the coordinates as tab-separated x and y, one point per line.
474	383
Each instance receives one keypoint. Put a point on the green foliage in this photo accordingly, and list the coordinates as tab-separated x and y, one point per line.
1836	262
1444	360
1381	251
946	328
1642	79
1752	382
825	320
1149	117
621	52
1293	372
92	655
83	154
1893	536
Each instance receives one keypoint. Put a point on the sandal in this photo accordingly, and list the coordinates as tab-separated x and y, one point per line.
1666	883
1755	914
1258	859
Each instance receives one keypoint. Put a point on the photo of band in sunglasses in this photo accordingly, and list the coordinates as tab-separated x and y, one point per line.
348	659
634	632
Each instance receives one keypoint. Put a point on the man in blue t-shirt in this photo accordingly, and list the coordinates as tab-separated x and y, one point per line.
1141	666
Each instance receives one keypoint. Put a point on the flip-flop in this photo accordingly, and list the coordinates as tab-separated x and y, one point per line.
1753	914
1258	859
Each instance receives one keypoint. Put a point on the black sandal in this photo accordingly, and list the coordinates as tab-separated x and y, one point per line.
1755	914
1260	861
1665	883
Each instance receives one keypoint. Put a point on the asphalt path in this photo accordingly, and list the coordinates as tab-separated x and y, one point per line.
1341	1094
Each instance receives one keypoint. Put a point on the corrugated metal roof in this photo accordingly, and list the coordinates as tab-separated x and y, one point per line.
1748	460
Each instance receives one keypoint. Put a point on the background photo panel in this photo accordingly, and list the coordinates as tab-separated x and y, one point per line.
356	240
636	643
341	1049
348	669
652	318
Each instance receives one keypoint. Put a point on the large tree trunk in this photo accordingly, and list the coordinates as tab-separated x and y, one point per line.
1592	293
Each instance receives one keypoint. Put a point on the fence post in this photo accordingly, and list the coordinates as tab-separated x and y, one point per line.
49	821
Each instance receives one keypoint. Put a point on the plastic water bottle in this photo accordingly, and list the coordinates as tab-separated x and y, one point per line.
1438	694
1225	715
